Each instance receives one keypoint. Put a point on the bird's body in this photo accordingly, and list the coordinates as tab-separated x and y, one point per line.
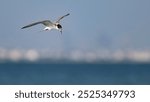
48	24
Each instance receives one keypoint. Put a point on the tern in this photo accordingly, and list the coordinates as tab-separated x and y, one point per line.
48	24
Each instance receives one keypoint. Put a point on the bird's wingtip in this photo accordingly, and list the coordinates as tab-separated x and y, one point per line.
23	27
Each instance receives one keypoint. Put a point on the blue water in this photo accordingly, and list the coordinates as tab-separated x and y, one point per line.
73	74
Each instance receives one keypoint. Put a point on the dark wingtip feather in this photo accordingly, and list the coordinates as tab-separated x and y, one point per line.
24	27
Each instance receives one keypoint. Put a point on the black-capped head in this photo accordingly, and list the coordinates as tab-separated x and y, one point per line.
59	27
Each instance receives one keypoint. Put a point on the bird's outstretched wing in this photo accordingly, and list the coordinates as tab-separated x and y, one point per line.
62	17
45	22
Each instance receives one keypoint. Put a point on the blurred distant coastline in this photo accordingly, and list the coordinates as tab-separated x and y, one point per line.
77	56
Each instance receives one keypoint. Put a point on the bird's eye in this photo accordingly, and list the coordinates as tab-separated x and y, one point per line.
59	26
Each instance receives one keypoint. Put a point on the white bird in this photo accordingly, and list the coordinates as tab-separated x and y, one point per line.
49	25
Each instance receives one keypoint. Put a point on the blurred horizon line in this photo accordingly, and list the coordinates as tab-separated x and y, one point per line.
74	56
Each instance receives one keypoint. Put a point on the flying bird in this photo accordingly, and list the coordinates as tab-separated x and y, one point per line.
48	24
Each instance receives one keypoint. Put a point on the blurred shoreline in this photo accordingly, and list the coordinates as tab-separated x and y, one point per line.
76	56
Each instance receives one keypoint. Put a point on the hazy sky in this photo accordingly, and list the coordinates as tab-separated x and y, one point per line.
92	24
